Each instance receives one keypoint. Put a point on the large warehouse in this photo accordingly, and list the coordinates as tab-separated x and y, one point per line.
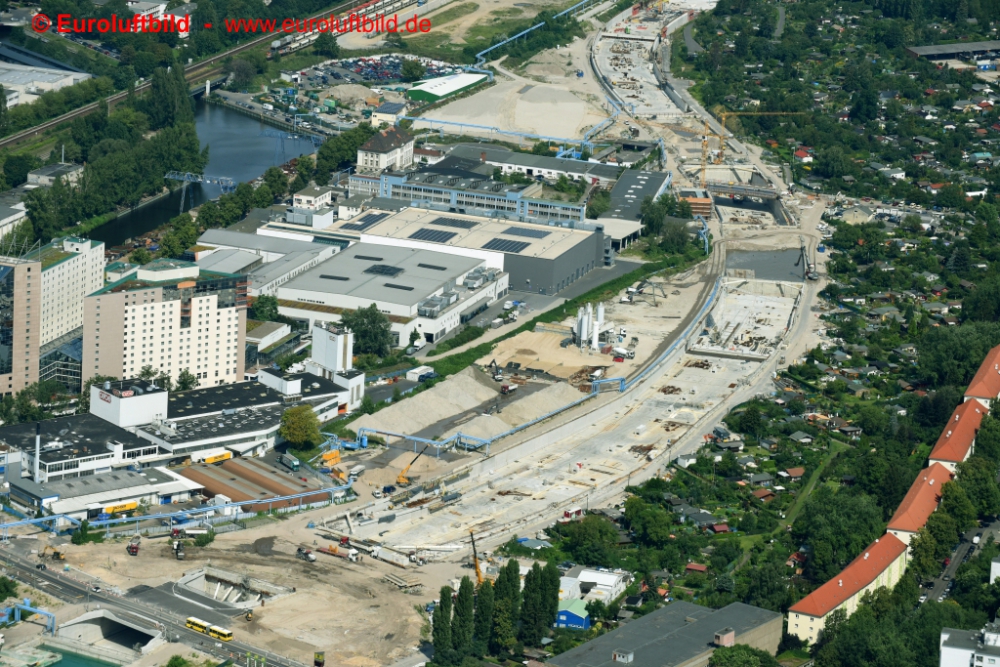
419	289
433	90
542	259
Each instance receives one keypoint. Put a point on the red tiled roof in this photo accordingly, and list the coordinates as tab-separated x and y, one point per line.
921	500
696	567
801	153
796	472
958	434
764	494
862	571
986	384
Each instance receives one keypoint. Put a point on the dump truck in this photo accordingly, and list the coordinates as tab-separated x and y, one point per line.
133	546
179	550
305	554
508	388
189	532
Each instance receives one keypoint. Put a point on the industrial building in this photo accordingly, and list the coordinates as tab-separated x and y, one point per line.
467	156
542	259
32	82
103	495
959	50
435	90
418	289
686	634
246	480
623	220
171	315
270	248
391	148
475	192
46	176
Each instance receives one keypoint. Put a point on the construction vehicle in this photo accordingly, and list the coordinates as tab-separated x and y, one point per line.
808	267
249	615
133	546
475	560
344	552
188	532
305	554
495	371
402	479
56	554
289	462
179	550
508	389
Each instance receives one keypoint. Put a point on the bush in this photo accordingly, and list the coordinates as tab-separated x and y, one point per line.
467	334
204	540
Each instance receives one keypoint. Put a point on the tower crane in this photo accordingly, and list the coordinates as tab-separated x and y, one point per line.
475	560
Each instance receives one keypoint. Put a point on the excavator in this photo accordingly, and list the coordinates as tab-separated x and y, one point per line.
402	479
56	554
475	560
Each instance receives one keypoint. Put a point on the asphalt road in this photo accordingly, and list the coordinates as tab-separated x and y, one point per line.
964	549
693	46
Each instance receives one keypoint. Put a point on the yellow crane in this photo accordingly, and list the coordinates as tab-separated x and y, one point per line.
475	560
705	134
402	479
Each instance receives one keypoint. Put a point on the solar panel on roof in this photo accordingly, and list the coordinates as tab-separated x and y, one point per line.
503	245
365	222
523	231
433	235
454	222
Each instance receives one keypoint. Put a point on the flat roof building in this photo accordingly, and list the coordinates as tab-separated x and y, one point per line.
172	316
418	289
535	166
623	220
540	259
230	261
31	81
47	175
959	50
681	634
271	248
433	90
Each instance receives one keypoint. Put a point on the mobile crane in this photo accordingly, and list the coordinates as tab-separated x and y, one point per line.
475	560
402	479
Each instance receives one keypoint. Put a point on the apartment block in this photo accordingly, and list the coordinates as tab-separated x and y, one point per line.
20	322
170	315
72	268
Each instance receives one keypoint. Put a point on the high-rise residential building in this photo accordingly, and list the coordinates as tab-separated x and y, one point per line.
41	303
170	315
72	268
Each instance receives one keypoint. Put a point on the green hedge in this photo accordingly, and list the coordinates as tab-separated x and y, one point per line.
464	336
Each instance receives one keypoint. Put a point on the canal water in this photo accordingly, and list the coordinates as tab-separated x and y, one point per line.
76	660
236	149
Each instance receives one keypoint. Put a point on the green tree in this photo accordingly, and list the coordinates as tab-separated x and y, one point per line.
326	45
502	638
923	558
443	651
372	330
276	181
550	592
141	256
17	166
484	618
367	406
741	655
300	427
186	380
532	607
751	421
462	625
955	502
265	308
413	70
4	116
148	373
978	476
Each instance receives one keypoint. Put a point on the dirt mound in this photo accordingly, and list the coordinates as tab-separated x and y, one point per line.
541	402
454	396
483	426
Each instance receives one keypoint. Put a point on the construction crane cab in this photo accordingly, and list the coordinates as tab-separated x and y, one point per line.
475	560
402	479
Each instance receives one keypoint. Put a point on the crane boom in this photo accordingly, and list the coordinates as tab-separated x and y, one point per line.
475	560
402	479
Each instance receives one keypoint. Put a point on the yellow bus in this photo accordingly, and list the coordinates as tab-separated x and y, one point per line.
197	624
220	633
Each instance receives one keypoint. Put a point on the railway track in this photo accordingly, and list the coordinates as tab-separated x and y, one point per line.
195	72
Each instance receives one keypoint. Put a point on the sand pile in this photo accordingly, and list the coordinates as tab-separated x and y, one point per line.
426	465
483	426
541	402
350	94
455	395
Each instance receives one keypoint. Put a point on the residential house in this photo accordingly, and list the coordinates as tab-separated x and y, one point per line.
985	385
572	614
796	474
958	439
764	495
801	438
762	479
919	503
857	215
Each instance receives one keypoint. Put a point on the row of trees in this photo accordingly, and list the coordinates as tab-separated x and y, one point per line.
499	619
